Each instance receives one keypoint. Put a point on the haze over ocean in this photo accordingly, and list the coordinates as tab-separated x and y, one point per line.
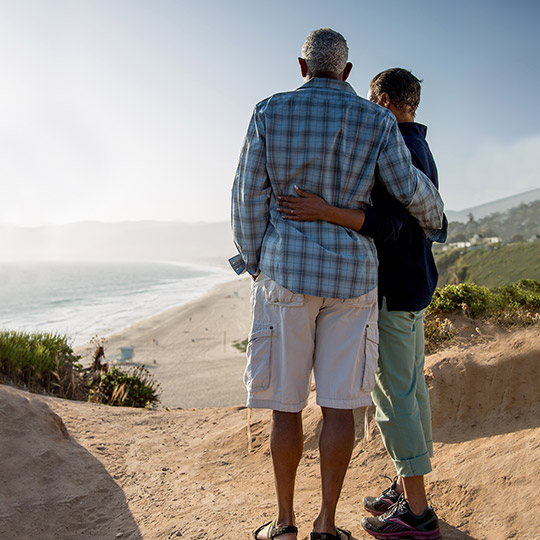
82	300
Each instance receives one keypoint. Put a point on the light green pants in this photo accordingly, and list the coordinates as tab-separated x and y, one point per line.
401	396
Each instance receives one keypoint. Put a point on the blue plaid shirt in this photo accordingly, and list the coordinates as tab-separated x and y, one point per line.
327	140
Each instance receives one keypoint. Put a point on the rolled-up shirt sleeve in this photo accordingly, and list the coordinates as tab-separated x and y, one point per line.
406	183
250	198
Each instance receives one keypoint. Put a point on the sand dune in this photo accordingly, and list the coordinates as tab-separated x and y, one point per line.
50	485
77	470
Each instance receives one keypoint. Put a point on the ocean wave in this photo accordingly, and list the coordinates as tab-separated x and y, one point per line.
81	300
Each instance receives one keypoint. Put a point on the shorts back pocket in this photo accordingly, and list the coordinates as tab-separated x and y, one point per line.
259	355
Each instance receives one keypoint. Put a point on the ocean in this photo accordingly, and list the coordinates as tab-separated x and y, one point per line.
83	300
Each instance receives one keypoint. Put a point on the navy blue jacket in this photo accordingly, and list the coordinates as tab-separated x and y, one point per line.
407	272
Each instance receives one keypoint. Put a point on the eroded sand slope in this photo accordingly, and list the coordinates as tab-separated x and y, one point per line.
164	474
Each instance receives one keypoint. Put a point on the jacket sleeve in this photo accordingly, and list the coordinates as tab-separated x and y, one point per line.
385	219
250	198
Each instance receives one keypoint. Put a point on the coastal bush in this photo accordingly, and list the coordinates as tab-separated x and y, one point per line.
474	300
437	331
517	304
524	293
133	388
46	363
479	301
41	362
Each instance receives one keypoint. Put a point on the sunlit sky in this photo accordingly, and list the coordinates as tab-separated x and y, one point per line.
118	110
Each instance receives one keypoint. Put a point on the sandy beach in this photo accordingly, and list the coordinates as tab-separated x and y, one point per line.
189	349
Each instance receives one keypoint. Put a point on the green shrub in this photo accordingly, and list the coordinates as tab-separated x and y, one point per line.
473	300
479	301
41	362
512	305
437	331
524	293
45	362
132	388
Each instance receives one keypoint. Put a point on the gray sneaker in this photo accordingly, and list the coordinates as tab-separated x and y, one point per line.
379	505
400	522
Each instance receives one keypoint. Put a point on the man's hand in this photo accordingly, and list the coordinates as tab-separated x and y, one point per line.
306	207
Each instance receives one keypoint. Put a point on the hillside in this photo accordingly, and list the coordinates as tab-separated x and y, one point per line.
500	205
492	266
79	470
517	224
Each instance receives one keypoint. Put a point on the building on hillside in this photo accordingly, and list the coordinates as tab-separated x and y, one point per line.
478	239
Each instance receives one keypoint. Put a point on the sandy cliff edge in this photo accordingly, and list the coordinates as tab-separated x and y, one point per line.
79	470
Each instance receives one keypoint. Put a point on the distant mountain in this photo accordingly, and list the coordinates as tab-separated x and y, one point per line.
208	243
500	205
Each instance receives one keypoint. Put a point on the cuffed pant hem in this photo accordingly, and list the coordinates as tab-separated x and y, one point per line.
362	401
418	466
275	405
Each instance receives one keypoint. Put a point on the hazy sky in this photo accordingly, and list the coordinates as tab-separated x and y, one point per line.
129	109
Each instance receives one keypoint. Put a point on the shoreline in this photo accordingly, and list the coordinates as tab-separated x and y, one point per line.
81	300
200	294
188	348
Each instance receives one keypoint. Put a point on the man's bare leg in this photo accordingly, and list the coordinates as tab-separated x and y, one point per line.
286	445
415	493
335	446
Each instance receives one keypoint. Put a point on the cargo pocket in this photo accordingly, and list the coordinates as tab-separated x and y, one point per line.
259	354
371	356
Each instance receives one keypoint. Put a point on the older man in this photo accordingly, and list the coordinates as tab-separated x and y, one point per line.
407	280
314	296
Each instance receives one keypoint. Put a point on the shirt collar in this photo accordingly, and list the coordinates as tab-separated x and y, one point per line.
330	84
407	128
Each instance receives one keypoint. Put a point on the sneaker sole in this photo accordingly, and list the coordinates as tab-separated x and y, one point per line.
417	535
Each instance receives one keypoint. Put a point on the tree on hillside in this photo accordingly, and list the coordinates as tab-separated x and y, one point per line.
522	220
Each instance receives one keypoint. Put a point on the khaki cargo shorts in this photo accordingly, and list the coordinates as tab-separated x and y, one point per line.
293	335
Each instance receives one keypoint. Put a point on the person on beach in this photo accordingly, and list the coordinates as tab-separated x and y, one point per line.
314	290
407	280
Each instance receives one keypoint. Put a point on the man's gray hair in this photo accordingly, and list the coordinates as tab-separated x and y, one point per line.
325	51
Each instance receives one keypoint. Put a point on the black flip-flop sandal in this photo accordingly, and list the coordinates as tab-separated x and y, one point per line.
275	531
328	536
